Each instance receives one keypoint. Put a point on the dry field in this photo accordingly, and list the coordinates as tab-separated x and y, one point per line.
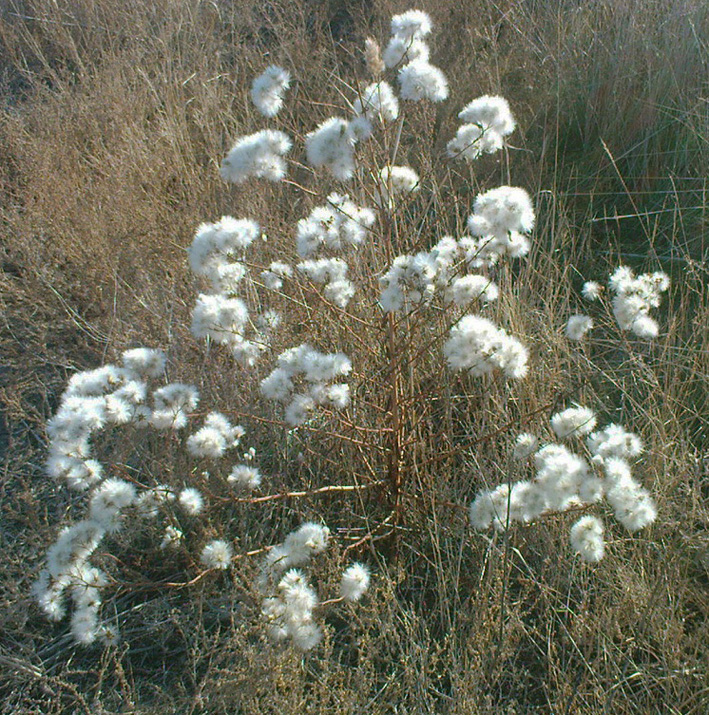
114	118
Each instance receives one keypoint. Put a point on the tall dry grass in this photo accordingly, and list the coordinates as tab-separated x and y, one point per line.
115	117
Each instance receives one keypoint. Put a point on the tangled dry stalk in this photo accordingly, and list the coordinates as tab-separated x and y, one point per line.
115	118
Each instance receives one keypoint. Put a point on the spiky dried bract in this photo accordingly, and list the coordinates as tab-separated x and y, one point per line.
268	90
217	554
355	582
587	538
259	155
373	57
421	80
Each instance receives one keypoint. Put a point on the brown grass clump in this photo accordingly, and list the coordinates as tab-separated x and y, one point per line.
115	117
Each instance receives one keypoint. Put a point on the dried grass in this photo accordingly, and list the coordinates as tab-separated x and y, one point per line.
115	117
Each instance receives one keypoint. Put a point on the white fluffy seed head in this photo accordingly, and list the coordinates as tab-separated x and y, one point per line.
577	326
591	290
332	145
394	180
191	501
108	502
400	51
171	537
245	477
259	155
587	538
421	80
217	554
491	113
377	101
479	346
145	362
268	90
525	446
467	289
412	24
573	422
500	211
614	441
355	581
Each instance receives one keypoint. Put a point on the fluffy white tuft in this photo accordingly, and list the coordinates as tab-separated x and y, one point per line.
354	583
257	155
268	89
217	554
587	538
421	80
577	326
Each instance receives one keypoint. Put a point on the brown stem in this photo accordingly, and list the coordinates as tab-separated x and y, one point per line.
394	456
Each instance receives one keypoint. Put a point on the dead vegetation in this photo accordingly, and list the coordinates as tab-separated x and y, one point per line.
115	117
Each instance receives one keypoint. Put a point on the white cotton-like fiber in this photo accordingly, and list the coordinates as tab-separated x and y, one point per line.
354	582
573	422
377	101
412	24
402	51
268	90
577	326
421	80
332	145
525	446
217	554
259	155
587	538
